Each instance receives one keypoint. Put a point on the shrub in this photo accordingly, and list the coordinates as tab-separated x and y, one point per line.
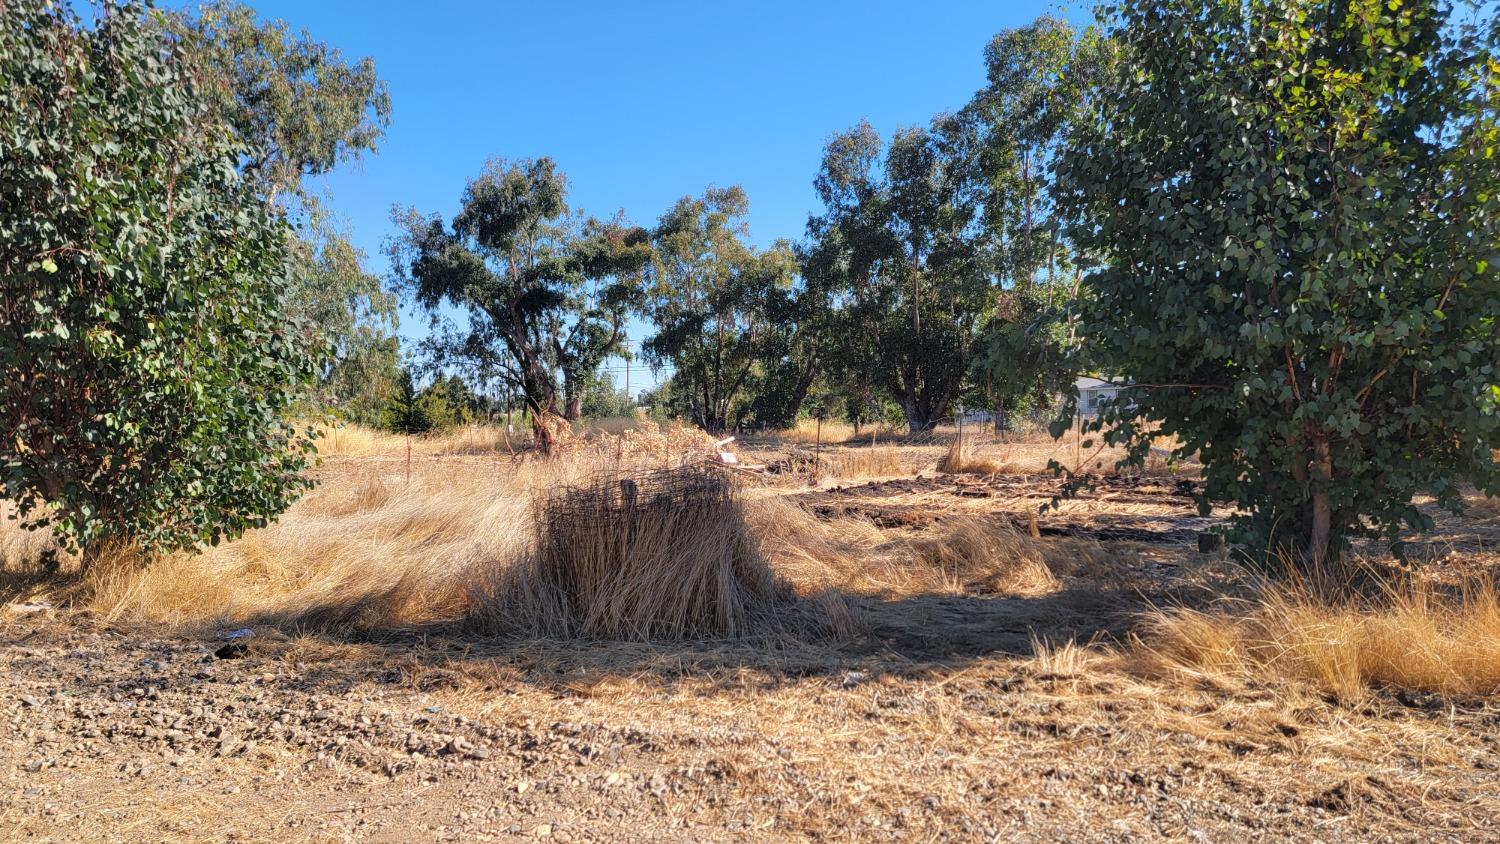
664	555
145	364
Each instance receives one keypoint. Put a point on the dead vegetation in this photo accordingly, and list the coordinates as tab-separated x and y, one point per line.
960	459
812	652
873	462
662	555
1412	633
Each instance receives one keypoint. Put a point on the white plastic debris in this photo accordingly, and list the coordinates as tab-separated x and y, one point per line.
242	633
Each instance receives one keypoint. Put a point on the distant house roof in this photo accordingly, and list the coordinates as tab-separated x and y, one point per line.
1089	382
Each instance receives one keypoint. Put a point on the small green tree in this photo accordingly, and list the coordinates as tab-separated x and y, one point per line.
145	362
1297	203
1023	360
447	403
404	412
603	400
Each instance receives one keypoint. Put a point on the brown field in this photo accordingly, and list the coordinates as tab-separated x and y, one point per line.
847	643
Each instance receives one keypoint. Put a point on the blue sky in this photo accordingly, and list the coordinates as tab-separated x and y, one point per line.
640	103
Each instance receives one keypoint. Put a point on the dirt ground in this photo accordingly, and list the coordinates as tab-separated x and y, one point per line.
955	715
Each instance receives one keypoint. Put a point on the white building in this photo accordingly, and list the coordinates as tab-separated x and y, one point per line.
1094	391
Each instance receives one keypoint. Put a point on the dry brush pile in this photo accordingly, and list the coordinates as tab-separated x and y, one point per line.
665	554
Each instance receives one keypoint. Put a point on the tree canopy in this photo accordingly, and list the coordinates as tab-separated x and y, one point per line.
1294	204
544	294
300	108
147	365
903	243
714	300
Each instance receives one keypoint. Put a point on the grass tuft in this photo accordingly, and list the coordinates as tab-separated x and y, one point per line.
960	460
1414	634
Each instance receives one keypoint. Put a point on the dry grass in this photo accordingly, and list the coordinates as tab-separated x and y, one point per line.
357	441
613	425
367	550
664	555
1411	635
884	462
960	459
981	556
1482	506
966	555
20	555
806	432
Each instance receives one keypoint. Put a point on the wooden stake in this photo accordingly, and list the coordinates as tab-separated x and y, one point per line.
1078	443
818	448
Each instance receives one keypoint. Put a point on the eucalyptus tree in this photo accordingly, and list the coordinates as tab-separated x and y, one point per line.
712	298
301	108
147	362
902	235
1297	207
844	250
544	294
1039	79
609	259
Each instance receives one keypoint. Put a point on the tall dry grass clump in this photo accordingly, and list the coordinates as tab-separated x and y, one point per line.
964	555
960	459
975	555
659	555
813	553
1413	635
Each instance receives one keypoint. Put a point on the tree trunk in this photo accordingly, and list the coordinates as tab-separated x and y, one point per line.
1321	529
541	433
918	419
